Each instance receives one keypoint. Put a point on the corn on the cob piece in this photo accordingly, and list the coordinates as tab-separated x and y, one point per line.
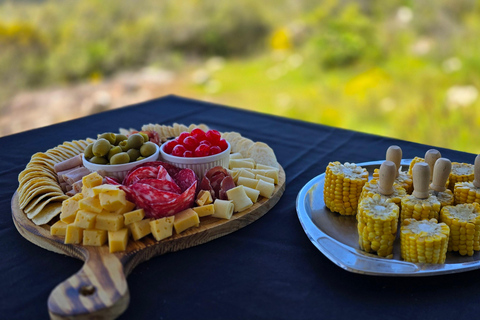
466	192
343	185
441	172
464	223
377	225
424	241
461	172
371	188
420	204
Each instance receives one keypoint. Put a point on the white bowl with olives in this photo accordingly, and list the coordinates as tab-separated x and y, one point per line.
114	155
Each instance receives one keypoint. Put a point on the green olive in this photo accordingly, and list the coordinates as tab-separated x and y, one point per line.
109	136
101	147
145	136
148	149
119	138
135	141
88	151
133	154
120	158
99	160
123	145
113	151
140	158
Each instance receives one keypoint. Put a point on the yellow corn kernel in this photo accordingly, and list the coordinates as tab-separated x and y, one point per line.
461	172
371	188
404	180
343	185
419	209
464	223
413	163
445	197
466	192
424	241
377	225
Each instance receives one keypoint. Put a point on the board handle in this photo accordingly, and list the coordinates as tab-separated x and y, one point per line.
99	290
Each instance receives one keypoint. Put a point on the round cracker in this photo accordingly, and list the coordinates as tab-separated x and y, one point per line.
243	145
49	212
262	153
40	205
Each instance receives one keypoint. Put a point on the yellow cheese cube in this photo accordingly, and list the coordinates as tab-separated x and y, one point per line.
162	228
186	219
90	204
87	192
69	210
204	197
140	229
112	200
129	206
92	180
133	216
94	237
73	234
59	228
206	210
77	196
109	222
85	219
104	188
118	240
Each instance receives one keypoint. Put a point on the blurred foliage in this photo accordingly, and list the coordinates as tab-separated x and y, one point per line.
406	69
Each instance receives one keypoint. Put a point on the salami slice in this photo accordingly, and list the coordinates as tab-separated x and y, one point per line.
185	178
110	180
184	201
165	185
163	174
139	174
158	204
130	196
171	169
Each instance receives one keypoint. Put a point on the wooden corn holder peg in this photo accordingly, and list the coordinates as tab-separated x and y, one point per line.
441	171
421	180
476	172
431	156
386	178
394	154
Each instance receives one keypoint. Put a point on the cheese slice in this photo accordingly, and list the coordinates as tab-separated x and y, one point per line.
223	209
239	198
266	189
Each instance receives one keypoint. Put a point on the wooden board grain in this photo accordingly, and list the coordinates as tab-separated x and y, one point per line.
99	290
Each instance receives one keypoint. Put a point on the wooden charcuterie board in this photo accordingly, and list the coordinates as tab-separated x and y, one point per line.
100	288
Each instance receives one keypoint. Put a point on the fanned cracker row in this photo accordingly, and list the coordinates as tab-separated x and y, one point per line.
40	196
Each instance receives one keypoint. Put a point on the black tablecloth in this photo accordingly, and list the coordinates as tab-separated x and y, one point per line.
267	270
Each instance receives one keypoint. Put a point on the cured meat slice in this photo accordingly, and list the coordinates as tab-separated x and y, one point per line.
163	174
226	184
139	174
205	185
185	178
215	170
184	201
158	203
68	164
110	180
165	185
171	169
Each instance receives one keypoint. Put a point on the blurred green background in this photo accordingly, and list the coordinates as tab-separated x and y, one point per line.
405	69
